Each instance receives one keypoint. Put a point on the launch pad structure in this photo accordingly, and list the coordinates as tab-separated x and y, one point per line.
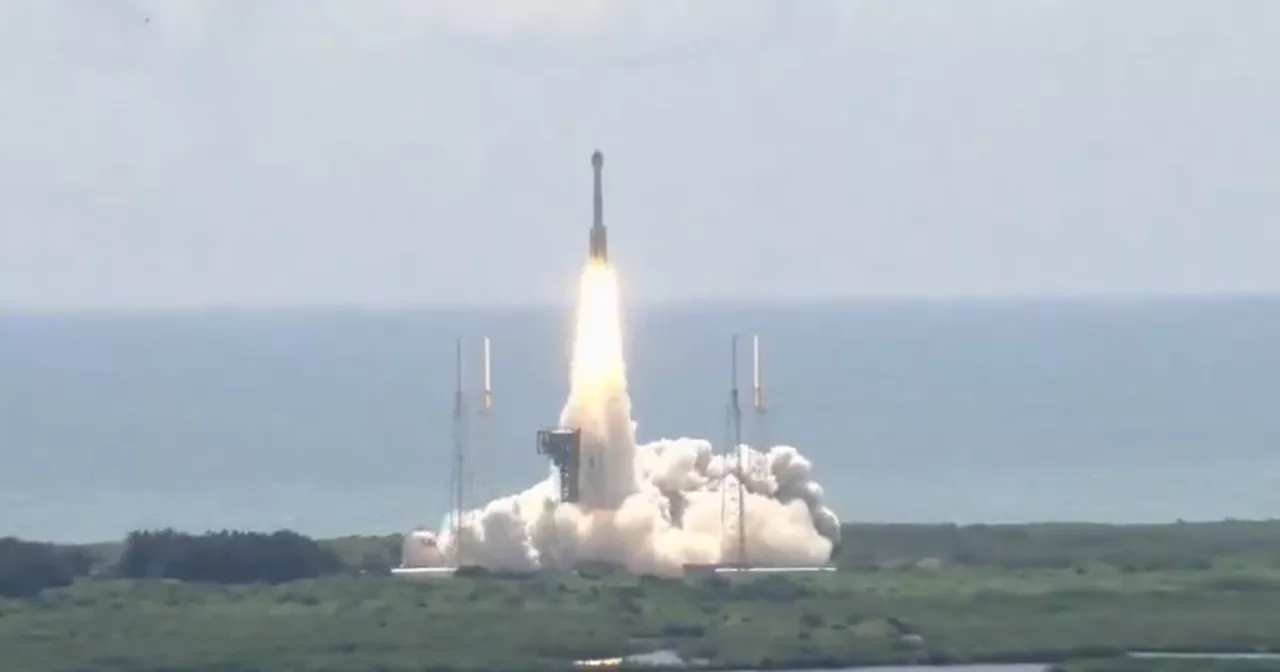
733	500
563	448
736	509
460	472
737	453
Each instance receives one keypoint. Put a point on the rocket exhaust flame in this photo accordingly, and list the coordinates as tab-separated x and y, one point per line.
653	507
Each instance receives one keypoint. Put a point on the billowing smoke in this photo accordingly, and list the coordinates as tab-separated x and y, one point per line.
652	508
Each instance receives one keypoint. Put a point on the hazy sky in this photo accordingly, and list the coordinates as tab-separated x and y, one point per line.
190	152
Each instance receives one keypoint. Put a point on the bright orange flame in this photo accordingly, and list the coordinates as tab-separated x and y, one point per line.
597	346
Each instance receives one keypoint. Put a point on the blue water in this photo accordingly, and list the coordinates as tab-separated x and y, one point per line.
337	421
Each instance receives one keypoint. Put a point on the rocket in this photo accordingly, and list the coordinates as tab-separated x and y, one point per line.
599	241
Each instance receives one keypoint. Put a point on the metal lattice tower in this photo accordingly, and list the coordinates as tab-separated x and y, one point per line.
733	501
458	477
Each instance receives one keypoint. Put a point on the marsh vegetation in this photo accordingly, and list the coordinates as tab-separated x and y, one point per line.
1035	593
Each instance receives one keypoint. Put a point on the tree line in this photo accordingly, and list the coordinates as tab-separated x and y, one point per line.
226	557
28	567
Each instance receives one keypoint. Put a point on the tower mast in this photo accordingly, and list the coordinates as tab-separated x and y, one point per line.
742	463
760	438
757	396
482	439
733	520
458	477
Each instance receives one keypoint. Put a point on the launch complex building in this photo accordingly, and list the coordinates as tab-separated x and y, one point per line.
562	447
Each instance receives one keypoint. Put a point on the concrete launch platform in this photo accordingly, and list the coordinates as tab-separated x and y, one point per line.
696	570
424	572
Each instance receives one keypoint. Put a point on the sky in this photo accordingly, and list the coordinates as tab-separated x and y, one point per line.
158	153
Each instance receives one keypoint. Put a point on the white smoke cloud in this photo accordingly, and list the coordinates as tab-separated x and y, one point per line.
652	508
672	518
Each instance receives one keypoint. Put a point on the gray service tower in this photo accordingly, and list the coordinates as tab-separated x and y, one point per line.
564	446
599	248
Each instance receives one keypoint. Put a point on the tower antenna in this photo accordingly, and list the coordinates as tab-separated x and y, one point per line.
757	396
482	444
742	463
733	500
458	475
760	427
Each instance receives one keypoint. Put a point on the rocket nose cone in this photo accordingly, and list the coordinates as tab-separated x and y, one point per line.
597	160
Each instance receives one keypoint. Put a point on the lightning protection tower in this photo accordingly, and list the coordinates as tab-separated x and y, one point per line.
482	445
733	499
760	427
458	474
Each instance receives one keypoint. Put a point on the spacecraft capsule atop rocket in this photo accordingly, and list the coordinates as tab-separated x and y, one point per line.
599	242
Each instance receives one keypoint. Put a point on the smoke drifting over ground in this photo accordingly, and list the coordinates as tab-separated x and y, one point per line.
653	507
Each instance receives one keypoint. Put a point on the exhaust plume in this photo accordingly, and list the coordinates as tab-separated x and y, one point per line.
653	507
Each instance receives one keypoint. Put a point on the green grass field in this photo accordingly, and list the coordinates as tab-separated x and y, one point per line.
1121	664
1106	591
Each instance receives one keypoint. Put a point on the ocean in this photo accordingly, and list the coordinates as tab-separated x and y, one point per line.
337	421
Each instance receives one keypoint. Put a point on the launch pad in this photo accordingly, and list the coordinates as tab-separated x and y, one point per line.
745	475
564	448
425	572
753	570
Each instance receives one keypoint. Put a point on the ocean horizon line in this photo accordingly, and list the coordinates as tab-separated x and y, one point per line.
674	305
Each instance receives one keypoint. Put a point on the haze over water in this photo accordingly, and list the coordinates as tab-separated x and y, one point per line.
331	422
